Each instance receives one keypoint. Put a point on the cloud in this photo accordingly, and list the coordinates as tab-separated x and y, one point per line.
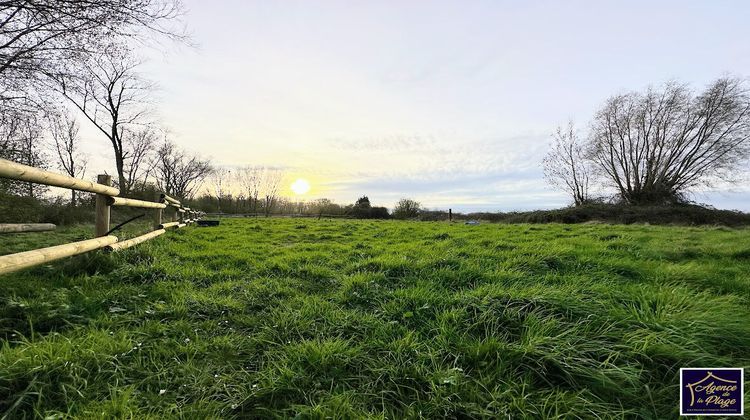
462	190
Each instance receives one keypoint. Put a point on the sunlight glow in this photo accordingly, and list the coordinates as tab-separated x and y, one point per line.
300	186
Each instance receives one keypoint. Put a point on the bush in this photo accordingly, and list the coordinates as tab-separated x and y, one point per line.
379	213
678	214
363	210
406	208
433	215
358	212
16	209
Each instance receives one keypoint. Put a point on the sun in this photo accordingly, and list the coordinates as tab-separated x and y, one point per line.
300	186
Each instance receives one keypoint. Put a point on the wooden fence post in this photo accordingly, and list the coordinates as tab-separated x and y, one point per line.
157	212
102	207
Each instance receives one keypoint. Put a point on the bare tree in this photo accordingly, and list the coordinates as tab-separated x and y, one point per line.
655	146
250	178
177	173
270	183
138	148
64	131
10	127
44	38
114	98
220	184
566	166
29	152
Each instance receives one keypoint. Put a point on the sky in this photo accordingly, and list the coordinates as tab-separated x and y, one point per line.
451	103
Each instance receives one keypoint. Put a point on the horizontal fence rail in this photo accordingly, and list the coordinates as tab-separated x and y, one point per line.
169	200
130	202
135	241
26	227
19	172
18	261
106	198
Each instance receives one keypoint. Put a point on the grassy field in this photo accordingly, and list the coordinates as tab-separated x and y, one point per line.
341	318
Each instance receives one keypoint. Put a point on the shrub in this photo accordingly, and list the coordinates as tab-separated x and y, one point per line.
362	209
379	213
678	214
406	208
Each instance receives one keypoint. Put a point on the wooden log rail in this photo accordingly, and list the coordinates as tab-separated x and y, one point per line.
18	261
129	202
135	241
106	198
26	227
169	200
19	172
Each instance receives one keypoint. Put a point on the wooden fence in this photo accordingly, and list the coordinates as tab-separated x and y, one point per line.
107	197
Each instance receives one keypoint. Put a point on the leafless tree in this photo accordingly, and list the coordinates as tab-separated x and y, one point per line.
177	173
138	148
44	38
655	146
220	180
249	179
28	144
10	127
64	131
566	166
115	99
270	183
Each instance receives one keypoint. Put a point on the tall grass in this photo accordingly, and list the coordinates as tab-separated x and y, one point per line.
384	319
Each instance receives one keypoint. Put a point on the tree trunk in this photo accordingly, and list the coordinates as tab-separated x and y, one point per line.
121	174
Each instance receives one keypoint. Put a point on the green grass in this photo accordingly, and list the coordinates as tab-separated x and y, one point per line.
347	319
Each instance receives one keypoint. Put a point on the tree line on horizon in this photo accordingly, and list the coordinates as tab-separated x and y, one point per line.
253	194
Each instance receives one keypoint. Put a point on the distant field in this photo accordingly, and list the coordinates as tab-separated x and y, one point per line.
342	318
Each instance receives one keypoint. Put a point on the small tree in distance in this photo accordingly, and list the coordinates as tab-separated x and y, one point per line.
363	209
64	131
249	179
363	202
406	208
178	173
271	181
565	165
